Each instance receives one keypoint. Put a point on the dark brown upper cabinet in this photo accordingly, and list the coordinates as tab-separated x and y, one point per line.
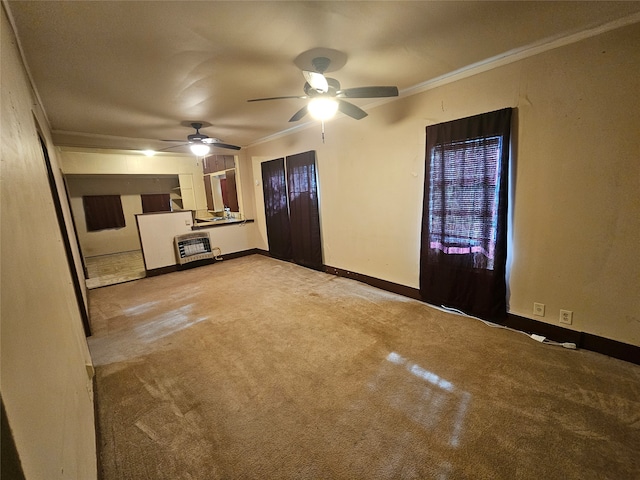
218	163
220	182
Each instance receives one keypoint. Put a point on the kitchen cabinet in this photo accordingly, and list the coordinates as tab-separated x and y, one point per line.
207	165
220	182
217	163
229	162
183	197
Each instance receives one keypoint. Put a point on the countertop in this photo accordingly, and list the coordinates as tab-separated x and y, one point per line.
209	222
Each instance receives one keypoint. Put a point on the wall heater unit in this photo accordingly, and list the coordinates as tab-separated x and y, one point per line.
192	246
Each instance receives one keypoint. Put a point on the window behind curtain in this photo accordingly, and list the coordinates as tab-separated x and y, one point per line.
463	203
155	202
102	212
463	248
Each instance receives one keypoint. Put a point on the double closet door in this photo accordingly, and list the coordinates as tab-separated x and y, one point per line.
292	212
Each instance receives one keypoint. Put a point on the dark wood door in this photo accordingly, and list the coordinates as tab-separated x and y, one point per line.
232	191
207	191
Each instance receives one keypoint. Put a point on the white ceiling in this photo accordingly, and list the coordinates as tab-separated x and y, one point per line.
126	74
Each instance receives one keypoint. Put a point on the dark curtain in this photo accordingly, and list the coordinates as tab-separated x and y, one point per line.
464	221
155	202
304	211
103	211
274	187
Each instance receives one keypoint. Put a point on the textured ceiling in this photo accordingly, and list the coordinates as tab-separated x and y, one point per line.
127	74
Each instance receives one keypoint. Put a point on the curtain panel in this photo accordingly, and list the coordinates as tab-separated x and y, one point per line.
102	212
304	210
155	202
464	221
276	208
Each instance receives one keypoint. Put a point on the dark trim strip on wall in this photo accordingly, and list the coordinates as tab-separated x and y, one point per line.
199	263
586	341
83	308
552	332
612	348
98	427
243	253
375	282
162	270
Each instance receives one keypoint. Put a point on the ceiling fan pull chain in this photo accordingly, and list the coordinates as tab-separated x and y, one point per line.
322	122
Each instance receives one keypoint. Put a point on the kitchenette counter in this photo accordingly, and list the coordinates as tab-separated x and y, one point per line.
159	230
209	222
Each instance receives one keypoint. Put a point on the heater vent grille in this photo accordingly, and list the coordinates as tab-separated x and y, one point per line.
191	247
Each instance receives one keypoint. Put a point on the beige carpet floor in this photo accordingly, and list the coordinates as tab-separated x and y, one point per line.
115	268
254	368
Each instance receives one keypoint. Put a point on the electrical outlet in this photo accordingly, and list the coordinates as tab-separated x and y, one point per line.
538	309
566	316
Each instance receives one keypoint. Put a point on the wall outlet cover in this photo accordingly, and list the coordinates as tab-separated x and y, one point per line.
566	316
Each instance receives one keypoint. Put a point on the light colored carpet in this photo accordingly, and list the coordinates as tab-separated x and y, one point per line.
115	268
254	368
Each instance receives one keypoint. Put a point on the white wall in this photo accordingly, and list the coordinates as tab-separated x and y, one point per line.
96	172
45	386
129	187
110	163
157	232
78	161
112	240
576	211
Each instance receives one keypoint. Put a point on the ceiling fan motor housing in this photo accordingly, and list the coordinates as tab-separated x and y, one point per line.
318	87
196	137
320	64
201	140
334	88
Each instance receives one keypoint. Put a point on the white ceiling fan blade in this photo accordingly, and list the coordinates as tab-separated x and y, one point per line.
316	80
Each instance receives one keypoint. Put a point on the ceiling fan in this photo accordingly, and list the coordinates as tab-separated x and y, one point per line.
325	92
199	143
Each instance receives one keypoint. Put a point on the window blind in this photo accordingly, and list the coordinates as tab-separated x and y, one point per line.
463	202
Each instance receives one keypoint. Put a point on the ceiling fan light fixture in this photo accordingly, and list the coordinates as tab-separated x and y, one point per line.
199	149
322	108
